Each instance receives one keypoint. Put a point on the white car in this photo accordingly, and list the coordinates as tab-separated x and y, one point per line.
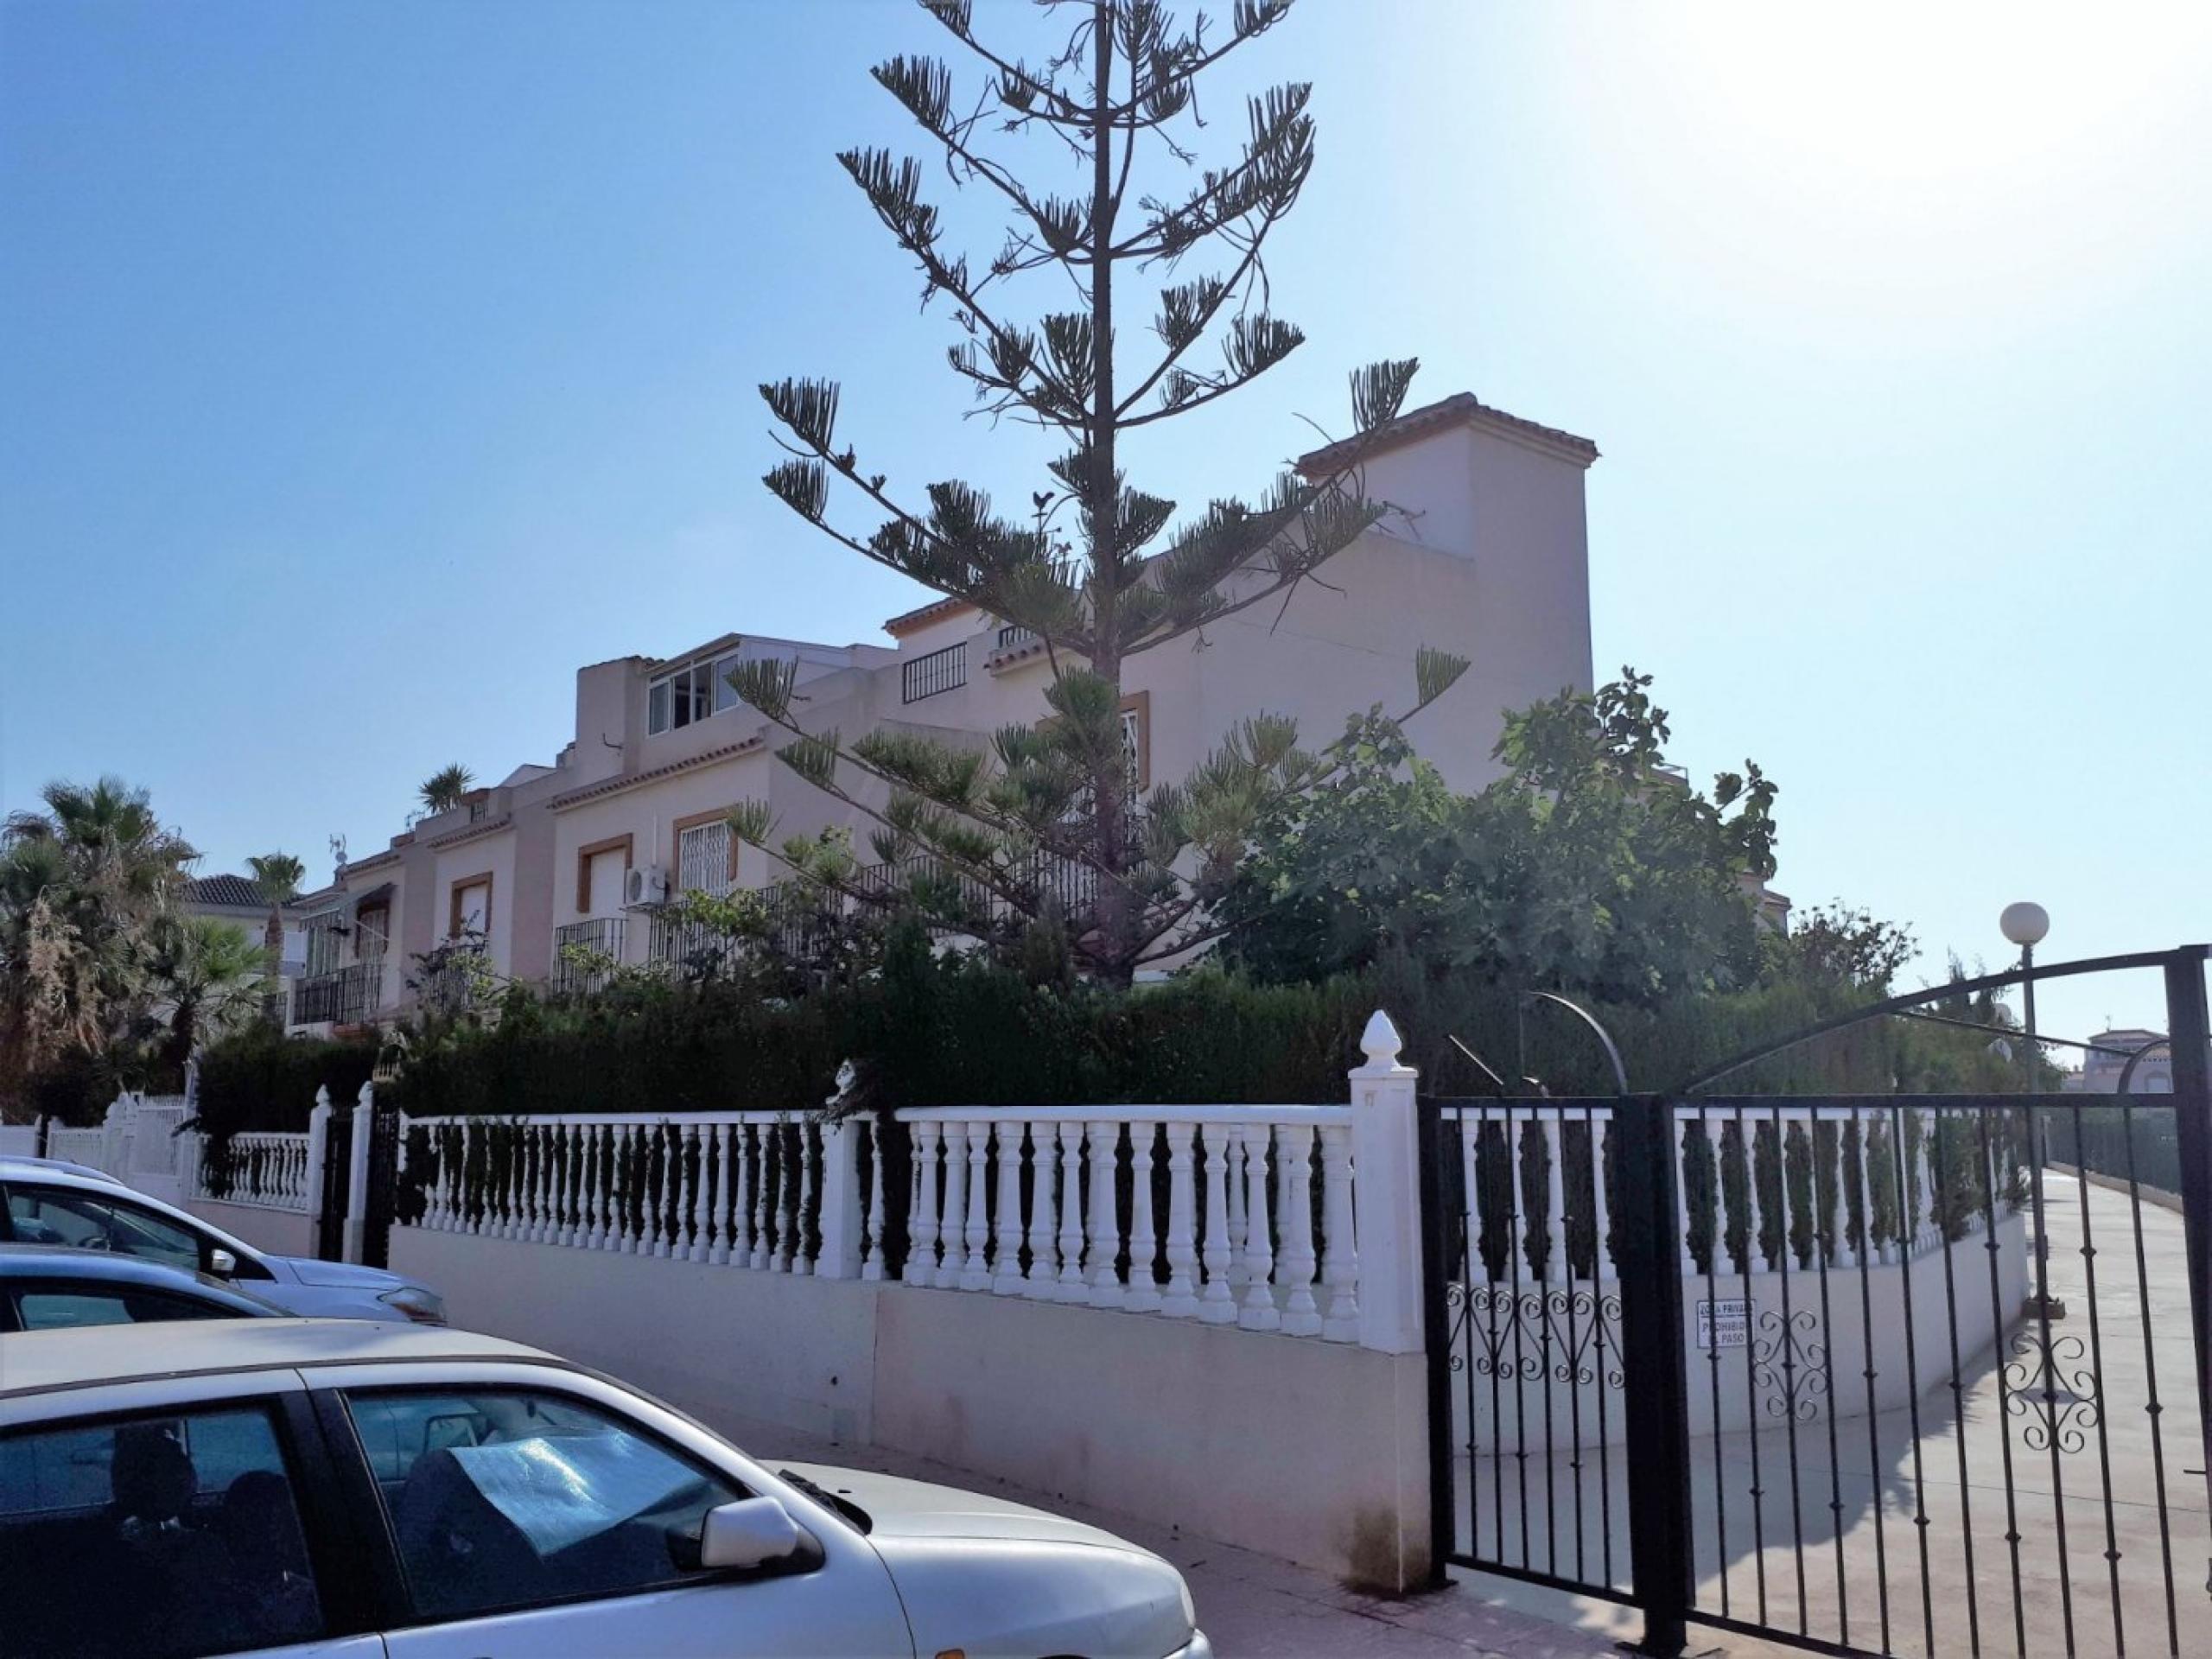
323	1487
43	1203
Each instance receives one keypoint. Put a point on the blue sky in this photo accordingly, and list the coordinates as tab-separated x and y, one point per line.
369	368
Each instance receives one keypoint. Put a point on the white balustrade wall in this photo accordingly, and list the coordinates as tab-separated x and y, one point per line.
1224	1215
1539	1187
264	1170
766	1192
1228	1215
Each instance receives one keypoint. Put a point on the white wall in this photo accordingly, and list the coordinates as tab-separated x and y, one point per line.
1314	1451
278	1232
1747	1388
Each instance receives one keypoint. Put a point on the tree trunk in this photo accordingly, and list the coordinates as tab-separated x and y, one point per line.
1117	926
272	945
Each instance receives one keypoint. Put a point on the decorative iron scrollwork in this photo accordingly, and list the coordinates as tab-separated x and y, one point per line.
1789	1366
2054	1381
1573	1336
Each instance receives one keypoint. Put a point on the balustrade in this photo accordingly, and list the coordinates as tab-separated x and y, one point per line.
1762	1190
268	1171
745	1190
1042	1202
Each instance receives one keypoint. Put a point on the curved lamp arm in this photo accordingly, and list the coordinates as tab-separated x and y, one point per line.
1604	1037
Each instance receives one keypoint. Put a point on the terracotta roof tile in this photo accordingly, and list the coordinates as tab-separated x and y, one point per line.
615	785
1461	407
239	890
908	621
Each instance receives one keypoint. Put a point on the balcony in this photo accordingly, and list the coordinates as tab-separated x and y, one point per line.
601	938
940	670
698	948
345	996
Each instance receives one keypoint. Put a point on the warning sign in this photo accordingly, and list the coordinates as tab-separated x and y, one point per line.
1725	1323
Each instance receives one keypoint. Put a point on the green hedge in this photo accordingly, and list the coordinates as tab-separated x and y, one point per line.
261	1079
929	1032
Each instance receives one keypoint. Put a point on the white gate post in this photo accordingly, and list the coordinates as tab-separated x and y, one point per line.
1386	1193
840	1216
115	1137
357	1174
318	1150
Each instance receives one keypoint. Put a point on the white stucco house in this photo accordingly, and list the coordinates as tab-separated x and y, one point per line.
1488	558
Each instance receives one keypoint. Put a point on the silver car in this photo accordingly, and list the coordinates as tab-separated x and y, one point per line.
43	1204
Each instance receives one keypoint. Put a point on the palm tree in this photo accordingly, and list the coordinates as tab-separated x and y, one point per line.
82	883
203	969
443	790
277	875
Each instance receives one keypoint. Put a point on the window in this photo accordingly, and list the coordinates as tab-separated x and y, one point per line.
503	1498
52	1215
600	868
325	942
940	670
470	909
689	693
1134	735
165	1537
371	932
705	857
64	1307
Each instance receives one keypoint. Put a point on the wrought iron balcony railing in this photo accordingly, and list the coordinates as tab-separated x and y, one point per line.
601	936
346	996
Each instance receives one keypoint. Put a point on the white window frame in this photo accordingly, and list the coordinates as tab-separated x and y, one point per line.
702	848
698	687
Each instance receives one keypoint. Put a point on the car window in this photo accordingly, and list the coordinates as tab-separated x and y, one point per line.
63	1308
159	1537
52	1215
500	1499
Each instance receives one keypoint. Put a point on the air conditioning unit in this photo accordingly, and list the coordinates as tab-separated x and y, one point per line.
643	886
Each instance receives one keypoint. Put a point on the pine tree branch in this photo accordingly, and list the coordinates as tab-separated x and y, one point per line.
1203	321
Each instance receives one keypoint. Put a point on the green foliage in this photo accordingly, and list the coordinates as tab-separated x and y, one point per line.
1797	1163
258	1078
1701	1182
1766	1173
86	884
1049	829
446	788
1589	868
1736	1194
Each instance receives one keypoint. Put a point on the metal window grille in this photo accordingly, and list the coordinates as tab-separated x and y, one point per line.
702	859
940	670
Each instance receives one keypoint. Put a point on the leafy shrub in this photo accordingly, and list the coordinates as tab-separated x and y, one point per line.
262	1080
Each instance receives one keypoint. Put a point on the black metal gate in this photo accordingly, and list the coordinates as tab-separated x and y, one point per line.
337	1165
383	1187
1914	1375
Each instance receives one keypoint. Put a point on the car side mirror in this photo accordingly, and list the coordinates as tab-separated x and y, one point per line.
221	1263
752	1532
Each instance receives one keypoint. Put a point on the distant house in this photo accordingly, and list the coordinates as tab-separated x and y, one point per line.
2108	1058
1489	558
228	899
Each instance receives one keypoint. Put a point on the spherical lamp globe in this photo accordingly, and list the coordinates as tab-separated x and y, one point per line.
2025	922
